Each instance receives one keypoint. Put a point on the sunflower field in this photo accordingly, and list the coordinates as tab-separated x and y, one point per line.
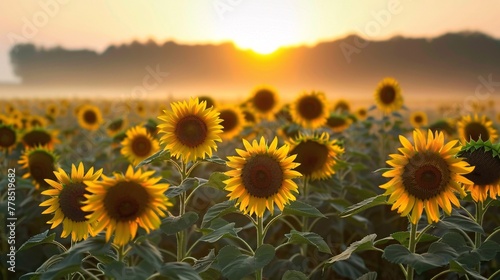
265	188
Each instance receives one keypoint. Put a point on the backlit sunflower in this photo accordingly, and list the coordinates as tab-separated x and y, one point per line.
116	126
425	175
446	126
388	96
40	164
40	137
317	155
342	106
138	145
89	117
190	130
8	138
264	102
337	122
52	110
233	121
476	127
261	176
210	101
361	113
122	203
418	119
486	175
140	109
37	121
66	200
309	109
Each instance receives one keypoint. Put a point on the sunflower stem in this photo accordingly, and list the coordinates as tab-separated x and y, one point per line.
181	236
412	247
260	242
479	221
305	221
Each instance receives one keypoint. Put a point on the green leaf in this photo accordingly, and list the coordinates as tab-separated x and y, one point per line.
161	155
38	239
172	225
235	265
461	222
486	252
185	186
31	276
366	243
302	209
294	275
215	159
149	253
403	237
179	271
216	180
311	238
372	275
219	229
363	205
218	210
204	263
118	270
463	269
69	264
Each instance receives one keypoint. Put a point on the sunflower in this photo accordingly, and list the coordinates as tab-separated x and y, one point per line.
37	121
342	106
425	175
210	101
89	117
475	128
233	121
309	109
388	96
40	163
264	102
444	125
140	109
261	176
250	117
361	113
190	130
4	119
124	202
66	199
8	138
486	175
138	145
40	137
418	119
115	126
52	110
317	155
337	122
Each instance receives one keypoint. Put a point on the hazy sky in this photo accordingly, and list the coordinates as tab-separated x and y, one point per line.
262	25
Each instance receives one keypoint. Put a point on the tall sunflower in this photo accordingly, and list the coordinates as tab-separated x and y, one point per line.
138	145
388	95
66	200
264	102
8	138
89	117
233	121
310	109
190	130
261	176
475	128
40	163
418	119
486	175
317	155
125	202
39	136
425	175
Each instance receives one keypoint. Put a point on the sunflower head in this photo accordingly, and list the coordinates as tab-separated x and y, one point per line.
66	199
475	128
317	155
52	110
418	119
40	137
425	175
122	203
485	177
342	106
388	96
361	113
233	121
443	125
261	176
190	130
8	138
115	126
337	122
209	100
309	109
40	164
264	102
37	121
138	145
89	117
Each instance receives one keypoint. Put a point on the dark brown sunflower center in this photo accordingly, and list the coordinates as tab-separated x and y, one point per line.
41	167
7	137
262	176
418	119
249	117
36	137
310	107
71	199
229	120
116	125
475	130
335	121
90	117
487	167
387	94
141	146
191	131
342	107
264	100
426	175
126	201
210	102
311	155
36	122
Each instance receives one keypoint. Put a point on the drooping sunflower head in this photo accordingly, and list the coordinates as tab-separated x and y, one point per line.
89	117
261	176
8	138
40	137
425	176
310	109
190	130
476	128
342	106
122	203
337	122
40	164
264	102
388	96
138	145
418	119
317	155
66	199
115	126
233	121
486	174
